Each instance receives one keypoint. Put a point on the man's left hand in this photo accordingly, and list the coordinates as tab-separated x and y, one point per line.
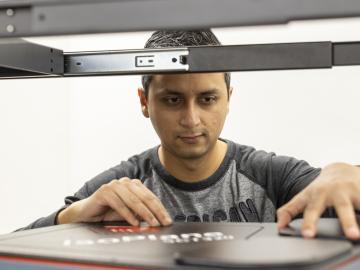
338	186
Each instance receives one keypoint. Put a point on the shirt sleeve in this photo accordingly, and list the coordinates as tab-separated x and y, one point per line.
117	172
290	176
281	176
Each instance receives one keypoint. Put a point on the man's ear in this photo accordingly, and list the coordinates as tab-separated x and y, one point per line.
143	102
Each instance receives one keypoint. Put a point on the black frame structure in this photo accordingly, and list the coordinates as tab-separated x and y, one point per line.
22	59
19	58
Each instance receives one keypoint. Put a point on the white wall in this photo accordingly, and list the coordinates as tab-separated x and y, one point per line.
57	133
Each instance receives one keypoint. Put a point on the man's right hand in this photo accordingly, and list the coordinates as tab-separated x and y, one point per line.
122	199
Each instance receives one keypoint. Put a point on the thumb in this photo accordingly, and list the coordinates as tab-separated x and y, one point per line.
290	210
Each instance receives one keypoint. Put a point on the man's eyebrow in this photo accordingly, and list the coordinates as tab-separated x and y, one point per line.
210	91
176	92
168	91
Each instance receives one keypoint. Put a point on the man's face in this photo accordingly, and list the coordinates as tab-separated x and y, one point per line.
188	111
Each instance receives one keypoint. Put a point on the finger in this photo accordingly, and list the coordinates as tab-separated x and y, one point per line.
346	214
312	213
356	204
133	202
119	206
151	201
112	215
290	210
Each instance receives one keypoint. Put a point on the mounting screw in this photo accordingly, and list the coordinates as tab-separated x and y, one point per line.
10	12
183	59
10	28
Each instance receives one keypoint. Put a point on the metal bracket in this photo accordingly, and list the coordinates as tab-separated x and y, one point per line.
126	62
19	58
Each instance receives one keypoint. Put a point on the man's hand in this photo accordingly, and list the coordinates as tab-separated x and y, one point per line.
338	186
122	199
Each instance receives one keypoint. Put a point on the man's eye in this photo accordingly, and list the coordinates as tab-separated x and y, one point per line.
208	99
172	100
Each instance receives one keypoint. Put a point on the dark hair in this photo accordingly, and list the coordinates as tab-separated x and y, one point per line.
176	38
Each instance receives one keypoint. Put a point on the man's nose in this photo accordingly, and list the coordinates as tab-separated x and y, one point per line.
190	116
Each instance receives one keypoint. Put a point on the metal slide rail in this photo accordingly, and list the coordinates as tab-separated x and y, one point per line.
22	59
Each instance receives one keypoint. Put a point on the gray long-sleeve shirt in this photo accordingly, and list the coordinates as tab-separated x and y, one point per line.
248	186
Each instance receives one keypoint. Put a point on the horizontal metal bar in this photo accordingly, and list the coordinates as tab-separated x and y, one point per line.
346	54
20	58
126	62
308	55
202	59
23	61
54	17
261	57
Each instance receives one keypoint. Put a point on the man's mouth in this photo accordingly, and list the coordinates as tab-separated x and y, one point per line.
191	138
194	135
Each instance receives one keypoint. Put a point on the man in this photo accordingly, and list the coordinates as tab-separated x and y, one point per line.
196	176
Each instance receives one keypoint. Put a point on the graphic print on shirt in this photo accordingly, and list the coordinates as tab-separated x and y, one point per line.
242	212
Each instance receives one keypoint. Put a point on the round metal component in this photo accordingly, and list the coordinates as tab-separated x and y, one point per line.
10	12
10	28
